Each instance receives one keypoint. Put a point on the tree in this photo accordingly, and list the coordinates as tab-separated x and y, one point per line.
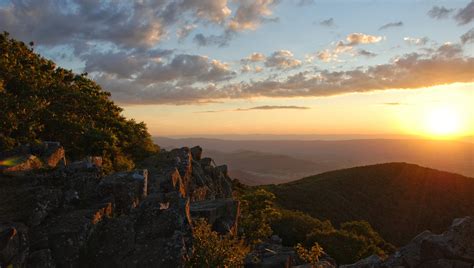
40	101
293	226
257	212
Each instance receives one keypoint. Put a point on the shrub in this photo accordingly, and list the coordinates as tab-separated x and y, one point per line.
257	212
310	256
213	250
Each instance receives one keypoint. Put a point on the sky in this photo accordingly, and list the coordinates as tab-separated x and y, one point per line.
282	67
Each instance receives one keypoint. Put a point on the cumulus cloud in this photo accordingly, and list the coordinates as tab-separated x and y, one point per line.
440	12
416	41
250	14
444	65
282	59
254	57
466	14
187	69
360	38
327	23
468	37
391	25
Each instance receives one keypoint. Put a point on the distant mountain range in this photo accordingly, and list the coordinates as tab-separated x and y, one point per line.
252	161
399	200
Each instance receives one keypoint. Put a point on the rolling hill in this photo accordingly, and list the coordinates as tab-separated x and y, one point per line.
254	168
457	156
399	200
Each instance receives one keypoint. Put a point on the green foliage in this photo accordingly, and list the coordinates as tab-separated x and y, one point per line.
213	250
293	226
354	241
40	101
309	255
343	246
399	200
257	212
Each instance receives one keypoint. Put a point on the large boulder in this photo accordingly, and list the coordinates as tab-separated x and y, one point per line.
222	214
452	249
126	189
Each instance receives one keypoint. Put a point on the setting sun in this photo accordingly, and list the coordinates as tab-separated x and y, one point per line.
443	121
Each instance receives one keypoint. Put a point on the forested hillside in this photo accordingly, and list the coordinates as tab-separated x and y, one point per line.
40	101
399	200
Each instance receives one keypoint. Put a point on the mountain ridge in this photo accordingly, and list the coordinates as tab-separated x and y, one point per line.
399	199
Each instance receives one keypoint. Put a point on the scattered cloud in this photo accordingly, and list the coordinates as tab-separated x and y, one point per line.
466	14
449	50
254	57
264	107
327	23
440	12
186	69
185	30
250	14
391	25
282	59
468	37
360	38
365	53
444	65
416	41
392	103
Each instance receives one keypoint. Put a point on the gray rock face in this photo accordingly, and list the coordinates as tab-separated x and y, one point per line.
453	248
76	217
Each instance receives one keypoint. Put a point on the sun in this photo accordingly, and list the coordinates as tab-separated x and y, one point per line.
443	122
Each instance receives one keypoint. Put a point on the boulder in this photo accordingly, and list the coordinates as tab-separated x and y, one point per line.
453	248
126	188
222	214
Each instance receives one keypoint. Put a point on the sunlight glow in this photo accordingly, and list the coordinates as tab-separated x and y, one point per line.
442	121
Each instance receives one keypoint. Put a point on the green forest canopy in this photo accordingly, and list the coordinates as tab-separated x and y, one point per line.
42	102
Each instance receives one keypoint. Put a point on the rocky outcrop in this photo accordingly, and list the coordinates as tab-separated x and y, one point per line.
29	157
58	215
451	249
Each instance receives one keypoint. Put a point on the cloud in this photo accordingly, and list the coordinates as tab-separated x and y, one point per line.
392	103
129	24
264	107
186	69
327	23
416	41
391	25
449	50
444	65
250	14
219	40
365	53
185	30
254	57
282	59
466	14
468	37
360	38
439	13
